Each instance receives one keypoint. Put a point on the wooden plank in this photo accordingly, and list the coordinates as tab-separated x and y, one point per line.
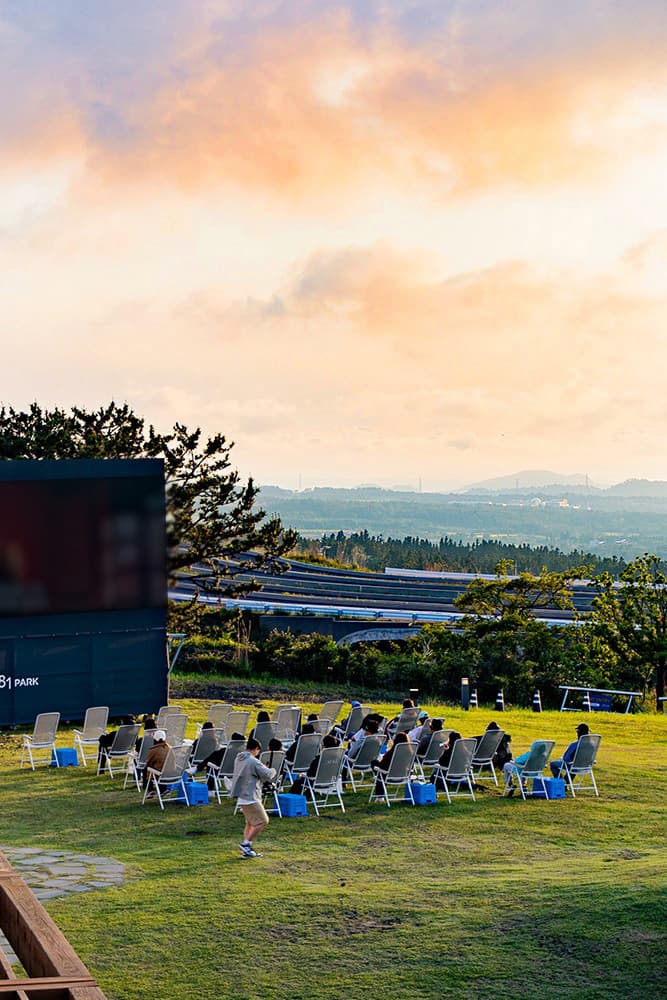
40	945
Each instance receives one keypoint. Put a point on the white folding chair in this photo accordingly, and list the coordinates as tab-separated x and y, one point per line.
398	776
94	725
485	752
531	768
122	747
457	774
43	737
327	779
169	783
582	764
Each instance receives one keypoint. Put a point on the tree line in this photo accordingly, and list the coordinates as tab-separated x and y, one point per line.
374	552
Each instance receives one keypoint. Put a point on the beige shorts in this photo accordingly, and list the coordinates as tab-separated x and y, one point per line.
255	813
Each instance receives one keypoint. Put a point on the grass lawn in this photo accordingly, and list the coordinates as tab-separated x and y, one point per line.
498	898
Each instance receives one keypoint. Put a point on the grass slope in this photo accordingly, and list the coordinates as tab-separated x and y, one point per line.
497	898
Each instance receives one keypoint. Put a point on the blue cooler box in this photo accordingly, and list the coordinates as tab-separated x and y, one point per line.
293	805
196	792
67	757
549	788
423	794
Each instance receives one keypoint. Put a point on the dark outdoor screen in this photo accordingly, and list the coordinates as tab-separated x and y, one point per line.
75	545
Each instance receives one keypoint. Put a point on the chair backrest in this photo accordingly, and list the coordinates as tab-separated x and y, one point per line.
237	722
265	731
586	753
232	751
307	750
217	714
461	759
164	712
208	741
45	728
174	727
402	761
124	739
330	711
273	758
287	720
487	746
174	765
145	747
321	726
434	749
537	758
329	767
95	722
407	720
354	720
368	751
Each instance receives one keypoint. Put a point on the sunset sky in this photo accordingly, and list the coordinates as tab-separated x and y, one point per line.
368	241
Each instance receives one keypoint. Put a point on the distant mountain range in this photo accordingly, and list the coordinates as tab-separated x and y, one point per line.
530	479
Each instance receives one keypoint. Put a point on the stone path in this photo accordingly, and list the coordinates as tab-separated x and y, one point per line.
60	873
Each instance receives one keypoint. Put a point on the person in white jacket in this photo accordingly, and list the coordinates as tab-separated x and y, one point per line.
247	779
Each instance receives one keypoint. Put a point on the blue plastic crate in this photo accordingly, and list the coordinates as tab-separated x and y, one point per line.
67	757
196	792
548	788
293	805
423	794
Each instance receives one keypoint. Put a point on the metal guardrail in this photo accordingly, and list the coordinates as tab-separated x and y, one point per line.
54	970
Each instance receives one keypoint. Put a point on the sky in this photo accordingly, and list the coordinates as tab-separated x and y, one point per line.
372	242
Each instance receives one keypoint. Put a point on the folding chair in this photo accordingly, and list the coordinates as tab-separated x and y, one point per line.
123	745
330	711
136	761
276	759
94	725
174	727
43	738
327	779
164	712
398	776
286	719
265	731
207	743
362	762
353	722
406	721
532	767
321	726
433	752
307	749
237	722
485	752
217	714
457	773
226	768
171	779
582	764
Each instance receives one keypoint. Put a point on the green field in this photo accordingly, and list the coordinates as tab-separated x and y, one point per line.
497	898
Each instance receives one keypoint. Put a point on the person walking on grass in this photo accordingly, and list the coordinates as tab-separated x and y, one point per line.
247	779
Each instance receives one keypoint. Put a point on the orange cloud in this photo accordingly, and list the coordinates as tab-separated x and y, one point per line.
316	110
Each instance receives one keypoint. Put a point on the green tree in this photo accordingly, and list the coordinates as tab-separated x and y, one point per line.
630	620
211	514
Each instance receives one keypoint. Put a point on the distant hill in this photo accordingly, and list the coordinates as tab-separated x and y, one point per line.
530	479
639	488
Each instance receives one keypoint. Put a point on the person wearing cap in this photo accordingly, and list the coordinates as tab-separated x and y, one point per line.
157	754
247	779
556	765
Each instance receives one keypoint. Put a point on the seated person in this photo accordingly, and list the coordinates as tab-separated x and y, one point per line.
557	765
327	741
291	753
156	755
261	717
106	739
391	725
342	725
435	726
420	729
370	729
516	766
195	743
504	753
383	763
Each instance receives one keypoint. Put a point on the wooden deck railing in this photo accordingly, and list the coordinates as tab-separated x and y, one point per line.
54	970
